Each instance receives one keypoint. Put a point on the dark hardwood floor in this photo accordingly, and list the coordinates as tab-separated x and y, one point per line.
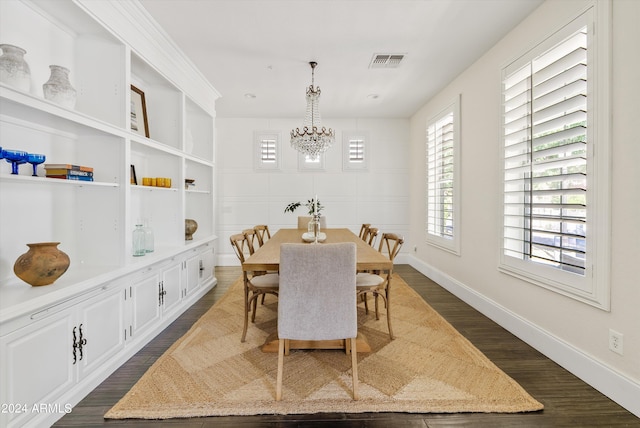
568	401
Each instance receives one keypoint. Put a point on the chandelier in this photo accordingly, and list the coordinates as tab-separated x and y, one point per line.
313	138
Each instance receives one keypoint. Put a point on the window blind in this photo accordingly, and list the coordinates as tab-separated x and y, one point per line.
545	157
440	176
356	150
268	150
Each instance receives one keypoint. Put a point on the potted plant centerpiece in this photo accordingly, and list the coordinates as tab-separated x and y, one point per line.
314	208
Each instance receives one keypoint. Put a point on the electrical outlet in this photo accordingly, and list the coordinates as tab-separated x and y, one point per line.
615	341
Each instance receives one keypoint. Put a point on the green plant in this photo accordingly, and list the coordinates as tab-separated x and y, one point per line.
295	205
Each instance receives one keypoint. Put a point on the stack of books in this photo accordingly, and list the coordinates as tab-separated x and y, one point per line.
69	172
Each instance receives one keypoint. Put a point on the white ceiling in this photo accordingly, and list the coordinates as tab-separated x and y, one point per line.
263	47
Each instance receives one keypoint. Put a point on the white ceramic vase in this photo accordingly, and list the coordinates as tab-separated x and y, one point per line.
58	88
14	70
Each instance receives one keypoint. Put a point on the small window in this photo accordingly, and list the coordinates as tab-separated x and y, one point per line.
356	150
443	194
554	120
267	150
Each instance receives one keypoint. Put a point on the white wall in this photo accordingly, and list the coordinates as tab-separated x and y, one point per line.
247	197
573	333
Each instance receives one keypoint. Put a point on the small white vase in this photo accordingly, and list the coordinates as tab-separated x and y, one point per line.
58	88
14	70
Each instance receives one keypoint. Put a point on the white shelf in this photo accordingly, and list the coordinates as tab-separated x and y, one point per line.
108	45
40	181
202	192
106	56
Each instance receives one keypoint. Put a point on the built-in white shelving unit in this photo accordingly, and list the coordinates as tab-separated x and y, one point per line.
59	341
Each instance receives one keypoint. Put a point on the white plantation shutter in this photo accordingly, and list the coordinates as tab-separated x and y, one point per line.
440	177
442	171
545	157
356	150
556	228
268	150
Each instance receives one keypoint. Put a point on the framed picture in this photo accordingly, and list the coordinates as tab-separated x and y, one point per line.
139	122
134	179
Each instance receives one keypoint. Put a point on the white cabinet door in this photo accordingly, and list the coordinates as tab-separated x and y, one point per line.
146	300
101	324
171	288
38	366
208	265
193	264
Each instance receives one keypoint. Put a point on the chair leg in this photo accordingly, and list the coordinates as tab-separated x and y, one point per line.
246	314
388	304
280	369
255	305
354	367
375	294
365	297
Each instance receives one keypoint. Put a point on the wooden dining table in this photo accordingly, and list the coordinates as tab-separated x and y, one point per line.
267	258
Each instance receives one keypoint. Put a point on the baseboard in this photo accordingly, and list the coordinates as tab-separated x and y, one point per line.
609	382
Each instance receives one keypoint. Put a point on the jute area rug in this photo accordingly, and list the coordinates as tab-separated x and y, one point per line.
428	368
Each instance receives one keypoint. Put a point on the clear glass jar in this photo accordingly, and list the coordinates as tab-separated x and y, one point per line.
313	227
148	237
139	248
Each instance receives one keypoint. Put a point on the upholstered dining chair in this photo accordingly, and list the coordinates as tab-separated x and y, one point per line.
255	285
303	222
317	299
376	283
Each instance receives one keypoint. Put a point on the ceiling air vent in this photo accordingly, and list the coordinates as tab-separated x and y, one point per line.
386	60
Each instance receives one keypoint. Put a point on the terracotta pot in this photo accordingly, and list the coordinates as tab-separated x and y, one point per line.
42	264
190	227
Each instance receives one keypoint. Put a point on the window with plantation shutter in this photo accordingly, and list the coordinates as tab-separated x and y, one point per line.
442	182
356	150
267	150
550	180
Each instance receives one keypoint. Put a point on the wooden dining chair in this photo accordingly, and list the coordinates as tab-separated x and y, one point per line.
317	300
370	236
363	230
262	233
252	240
376	283
260	237
255	284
